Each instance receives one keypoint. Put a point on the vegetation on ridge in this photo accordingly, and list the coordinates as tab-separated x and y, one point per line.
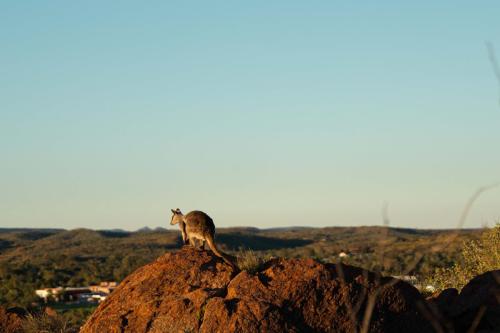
32	259
477	257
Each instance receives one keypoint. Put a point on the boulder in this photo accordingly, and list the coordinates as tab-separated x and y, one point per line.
478	304
475	309
194	291
167	295
438	309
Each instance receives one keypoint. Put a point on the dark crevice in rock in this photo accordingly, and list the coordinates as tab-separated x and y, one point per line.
209	266
213	292
217	292
157	303
153	316
232	305
264	279
295	318
124	321
201	312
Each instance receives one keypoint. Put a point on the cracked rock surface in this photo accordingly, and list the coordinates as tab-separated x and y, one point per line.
195	291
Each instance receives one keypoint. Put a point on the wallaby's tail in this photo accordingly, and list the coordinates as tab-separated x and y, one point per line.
213	247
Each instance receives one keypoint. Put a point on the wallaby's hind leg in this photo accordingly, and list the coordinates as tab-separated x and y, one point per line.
185	239
197	243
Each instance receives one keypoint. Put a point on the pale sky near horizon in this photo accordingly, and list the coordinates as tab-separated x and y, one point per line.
261	113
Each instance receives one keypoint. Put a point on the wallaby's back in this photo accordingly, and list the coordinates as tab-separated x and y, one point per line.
197	222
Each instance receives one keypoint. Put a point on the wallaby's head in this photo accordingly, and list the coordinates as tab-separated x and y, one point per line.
176	217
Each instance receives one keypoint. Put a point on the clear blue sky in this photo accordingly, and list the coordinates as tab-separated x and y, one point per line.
261	113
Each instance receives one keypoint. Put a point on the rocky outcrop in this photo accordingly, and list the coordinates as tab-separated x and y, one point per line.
167	295
475	309
194	291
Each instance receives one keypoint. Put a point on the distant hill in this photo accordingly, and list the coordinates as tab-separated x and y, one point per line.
11	230
33	258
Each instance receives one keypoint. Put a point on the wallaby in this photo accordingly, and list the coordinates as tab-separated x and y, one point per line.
197	225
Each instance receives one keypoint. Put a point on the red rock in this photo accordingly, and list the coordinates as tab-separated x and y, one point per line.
166	295
195	291
479	300
10	321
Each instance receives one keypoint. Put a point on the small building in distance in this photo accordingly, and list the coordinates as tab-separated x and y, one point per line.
47	293
93	293
60	294
104	287
411	279
92	297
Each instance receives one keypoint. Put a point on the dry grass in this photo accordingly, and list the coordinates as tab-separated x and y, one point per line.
43	323
249	261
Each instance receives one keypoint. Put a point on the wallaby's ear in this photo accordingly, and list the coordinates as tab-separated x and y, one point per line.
173	211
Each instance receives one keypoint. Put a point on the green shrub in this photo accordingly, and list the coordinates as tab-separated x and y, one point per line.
477	257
